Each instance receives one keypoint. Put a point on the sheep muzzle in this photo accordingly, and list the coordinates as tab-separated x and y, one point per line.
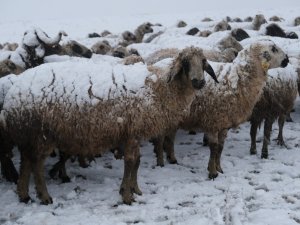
198	84
285	62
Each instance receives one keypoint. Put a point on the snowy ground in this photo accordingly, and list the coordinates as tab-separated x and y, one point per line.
251	191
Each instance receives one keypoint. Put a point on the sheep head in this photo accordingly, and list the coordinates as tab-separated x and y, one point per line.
75	49
128	36
189	66
270	55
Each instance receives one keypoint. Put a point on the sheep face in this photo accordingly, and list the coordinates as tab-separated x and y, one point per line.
101	47
258	21
230	42
189	66
76	49
128	36
272	56
146	28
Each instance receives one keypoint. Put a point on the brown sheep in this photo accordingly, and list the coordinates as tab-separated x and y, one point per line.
138	114
7	67
222	26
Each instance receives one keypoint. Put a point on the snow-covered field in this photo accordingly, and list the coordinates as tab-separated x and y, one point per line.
251	190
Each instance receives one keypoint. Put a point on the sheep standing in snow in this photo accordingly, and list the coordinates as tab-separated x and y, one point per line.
277	101
70	106
218	108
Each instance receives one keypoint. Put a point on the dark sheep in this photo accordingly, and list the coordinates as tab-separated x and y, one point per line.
239	34
275	31
193	31
93	35
292	35
181	23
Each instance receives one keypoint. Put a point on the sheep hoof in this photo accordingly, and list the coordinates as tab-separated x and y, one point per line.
137	191
192	132
127	196
172	160
65	179
52	173
26	200
264	155
219	169
212	176
47	201
160	163
253	151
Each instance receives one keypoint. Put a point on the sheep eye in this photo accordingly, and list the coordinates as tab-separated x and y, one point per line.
274	49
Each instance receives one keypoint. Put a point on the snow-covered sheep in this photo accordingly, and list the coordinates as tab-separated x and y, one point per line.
276	101
275	19
181	23
101	47
69	106
205	33
239	34
128	38
105	33
237	20
7	67
218	108
71	48
229	42
10	46
222	26
141	30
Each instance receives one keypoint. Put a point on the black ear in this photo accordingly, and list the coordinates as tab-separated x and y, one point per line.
267	55
207	68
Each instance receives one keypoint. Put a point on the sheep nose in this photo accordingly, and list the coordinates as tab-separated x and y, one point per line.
285	61
198	84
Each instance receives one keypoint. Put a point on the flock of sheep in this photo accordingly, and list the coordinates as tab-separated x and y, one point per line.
85	105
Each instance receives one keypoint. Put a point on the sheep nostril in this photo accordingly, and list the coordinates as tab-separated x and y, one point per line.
285	62
198	84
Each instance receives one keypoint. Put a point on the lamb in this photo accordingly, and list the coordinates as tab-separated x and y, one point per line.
9	67
277	101
221	26
114	108
219	108
239	34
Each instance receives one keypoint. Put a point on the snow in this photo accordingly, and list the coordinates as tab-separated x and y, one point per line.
252	191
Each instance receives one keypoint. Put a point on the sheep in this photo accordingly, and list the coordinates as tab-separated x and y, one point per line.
205	33
206	19
229	42
181	23
221	26
292	35
275	19
192	31
219	108
274	30
101	47
105	33
141	31
258	21
9	67
10	46
239	34
248	19
71	48
297	21
237	20
129	38
153	36
110	109
132	59
277	101
93	35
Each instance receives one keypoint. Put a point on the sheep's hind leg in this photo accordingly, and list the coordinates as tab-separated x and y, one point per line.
169	146
267	133
158	149
8	169
221	139
23	182
281	121
60	167
39	179
213	146
131	163
253	132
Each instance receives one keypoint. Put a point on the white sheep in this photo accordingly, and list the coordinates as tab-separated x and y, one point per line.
218	108
69	106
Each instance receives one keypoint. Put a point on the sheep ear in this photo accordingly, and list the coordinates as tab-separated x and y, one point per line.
207	68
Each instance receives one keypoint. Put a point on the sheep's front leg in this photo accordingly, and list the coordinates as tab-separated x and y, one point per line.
281	121
8	169
267	133
253	132
169	146
39	179
221	139
131	164
23	182
213	146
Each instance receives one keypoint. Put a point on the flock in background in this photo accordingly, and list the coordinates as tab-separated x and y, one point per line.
45	106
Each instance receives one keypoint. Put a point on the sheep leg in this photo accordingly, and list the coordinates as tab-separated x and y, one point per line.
169	146
23	182
39	180
60	167
221	139
205	139
158	149
253	132
281	121
82	161
8	169
131	163
267	133
213	146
